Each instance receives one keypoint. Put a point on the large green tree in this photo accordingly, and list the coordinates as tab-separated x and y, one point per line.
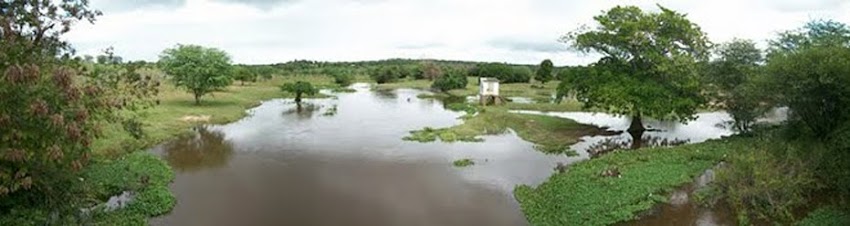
198	69
648	66
735	78
544	72
811	68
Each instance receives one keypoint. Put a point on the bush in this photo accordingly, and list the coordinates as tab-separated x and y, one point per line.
827	216
503	72
386	74
452	80
766	182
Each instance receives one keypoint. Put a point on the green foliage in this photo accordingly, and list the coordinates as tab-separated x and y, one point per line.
550	134
453	79
198	69
815	84
648	68
583	196
386	74
505	73
544	72
299	88
764	182
737	84
463	162
342	79
462	106
826	216
52	106
244	74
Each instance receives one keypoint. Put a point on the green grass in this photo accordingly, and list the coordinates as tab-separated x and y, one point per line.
826	216
582	196
551	134
463	163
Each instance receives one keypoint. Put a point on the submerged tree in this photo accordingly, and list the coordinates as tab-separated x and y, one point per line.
648	68
198	69
299	88
544	73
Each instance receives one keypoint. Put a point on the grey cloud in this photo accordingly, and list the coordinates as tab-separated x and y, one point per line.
113	5
527	45
421	45
262	4
803	6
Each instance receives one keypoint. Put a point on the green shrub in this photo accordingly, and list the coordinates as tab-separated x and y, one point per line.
463	162
766	182
505	73
386	74
826	216
449	81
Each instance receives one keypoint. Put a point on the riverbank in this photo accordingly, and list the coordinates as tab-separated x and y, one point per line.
120	163
618	186
173	117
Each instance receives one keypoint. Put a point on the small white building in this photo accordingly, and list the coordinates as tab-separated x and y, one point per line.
488	91
488	86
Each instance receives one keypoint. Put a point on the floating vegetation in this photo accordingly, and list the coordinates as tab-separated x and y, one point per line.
463	162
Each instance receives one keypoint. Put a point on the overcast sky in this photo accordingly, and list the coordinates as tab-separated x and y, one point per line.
272	31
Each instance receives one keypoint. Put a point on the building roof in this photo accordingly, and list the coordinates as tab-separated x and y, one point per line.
489	79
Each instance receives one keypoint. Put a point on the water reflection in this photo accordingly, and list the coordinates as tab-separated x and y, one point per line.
659	133
205	149
613	143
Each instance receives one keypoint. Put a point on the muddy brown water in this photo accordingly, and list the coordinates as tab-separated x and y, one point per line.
285	166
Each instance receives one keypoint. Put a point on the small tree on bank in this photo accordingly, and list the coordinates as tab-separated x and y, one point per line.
544	73
299	88
244	74
198	69
648	68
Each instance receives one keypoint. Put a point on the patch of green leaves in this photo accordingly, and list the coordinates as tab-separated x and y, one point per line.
463	162
582	196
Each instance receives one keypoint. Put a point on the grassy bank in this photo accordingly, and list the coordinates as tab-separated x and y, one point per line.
551	134
588	193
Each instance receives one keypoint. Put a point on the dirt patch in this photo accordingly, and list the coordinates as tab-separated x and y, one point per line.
196	118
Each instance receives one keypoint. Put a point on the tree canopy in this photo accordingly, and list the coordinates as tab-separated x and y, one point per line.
736	82
544	72
649	64
198	69
299	88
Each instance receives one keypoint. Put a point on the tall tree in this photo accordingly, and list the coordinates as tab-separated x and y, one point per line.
196	68
544	73
811	65
736	82
648	68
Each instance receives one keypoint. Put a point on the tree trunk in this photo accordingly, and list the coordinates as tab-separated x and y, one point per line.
243	82
197	98
298	98
637	139
637	124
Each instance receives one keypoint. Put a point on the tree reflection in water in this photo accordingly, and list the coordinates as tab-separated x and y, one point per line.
206	149
621	142
303	110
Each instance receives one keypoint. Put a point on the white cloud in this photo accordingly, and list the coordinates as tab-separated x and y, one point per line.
271	31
